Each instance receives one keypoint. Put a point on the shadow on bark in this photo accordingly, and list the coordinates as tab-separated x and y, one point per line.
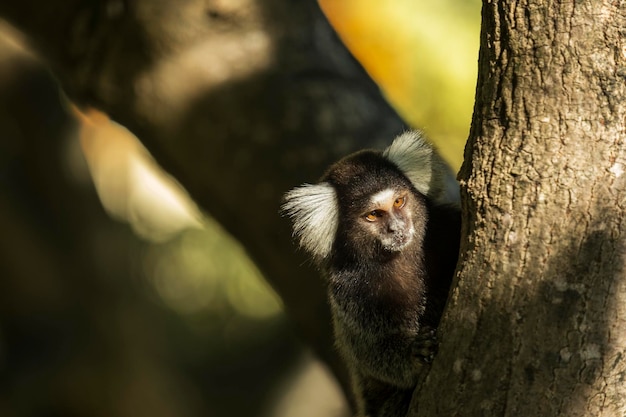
551	346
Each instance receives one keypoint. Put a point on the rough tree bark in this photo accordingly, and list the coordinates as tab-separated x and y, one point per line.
536	325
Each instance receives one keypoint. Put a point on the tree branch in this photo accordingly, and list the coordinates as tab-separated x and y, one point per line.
238	102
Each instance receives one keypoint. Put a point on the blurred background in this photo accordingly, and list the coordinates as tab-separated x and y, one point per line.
186	325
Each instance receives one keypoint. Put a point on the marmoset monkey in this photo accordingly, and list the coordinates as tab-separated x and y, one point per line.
384	229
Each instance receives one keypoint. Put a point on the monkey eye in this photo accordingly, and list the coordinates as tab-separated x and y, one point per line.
373	215
399	202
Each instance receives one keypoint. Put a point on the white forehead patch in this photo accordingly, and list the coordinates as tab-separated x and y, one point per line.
382	198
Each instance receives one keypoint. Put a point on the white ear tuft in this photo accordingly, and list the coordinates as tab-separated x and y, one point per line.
314	212
421	164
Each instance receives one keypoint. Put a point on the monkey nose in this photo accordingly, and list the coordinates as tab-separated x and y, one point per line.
394	226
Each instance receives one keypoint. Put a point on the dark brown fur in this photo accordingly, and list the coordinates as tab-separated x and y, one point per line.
383	302
388	275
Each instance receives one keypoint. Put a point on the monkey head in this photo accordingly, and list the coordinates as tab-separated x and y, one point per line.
371	201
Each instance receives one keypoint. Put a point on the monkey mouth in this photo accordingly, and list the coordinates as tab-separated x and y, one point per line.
396	243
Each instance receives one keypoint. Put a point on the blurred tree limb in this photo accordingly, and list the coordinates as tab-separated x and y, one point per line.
237	100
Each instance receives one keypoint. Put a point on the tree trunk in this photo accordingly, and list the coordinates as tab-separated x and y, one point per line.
536	324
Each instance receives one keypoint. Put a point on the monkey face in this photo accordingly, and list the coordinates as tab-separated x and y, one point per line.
388	219
369	205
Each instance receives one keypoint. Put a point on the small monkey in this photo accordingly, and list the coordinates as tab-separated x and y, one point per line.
384	229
